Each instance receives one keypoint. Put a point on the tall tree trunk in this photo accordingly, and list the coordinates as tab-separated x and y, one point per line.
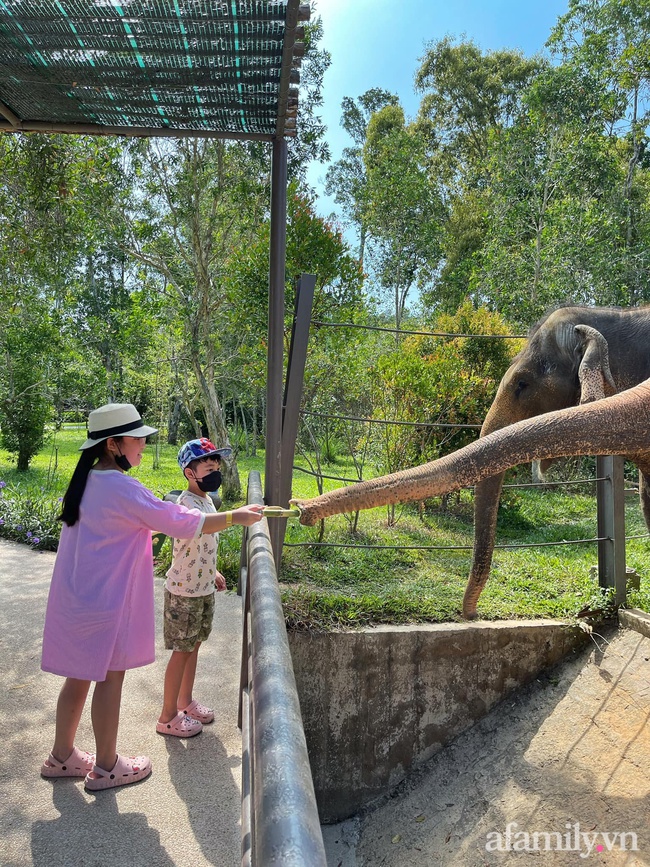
173	422
217	429
630	230
254	426
243	421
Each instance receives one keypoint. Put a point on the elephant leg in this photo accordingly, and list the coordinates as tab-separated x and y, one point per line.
486	508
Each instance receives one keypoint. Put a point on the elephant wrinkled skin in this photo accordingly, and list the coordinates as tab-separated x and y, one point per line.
581	386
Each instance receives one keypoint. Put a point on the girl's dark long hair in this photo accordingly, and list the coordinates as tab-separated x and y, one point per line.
72	497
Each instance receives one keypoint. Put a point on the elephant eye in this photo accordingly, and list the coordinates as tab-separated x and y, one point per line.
521	385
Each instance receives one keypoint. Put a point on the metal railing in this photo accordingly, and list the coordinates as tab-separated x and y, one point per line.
280	824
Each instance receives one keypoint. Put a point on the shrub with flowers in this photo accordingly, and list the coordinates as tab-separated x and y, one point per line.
30	516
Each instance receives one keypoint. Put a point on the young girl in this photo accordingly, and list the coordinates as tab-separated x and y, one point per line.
100	611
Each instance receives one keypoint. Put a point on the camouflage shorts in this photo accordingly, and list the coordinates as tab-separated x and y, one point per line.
187	619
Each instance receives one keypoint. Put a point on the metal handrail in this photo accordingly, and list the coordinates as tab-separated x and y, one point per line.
280	824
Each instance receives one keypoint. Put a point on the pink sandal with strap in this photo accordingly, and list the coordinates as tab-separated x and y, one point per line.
180	726
127	769
198	711
78	764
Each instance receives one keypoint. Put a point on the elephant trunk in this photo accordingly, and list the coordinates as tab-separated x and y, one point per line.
616	425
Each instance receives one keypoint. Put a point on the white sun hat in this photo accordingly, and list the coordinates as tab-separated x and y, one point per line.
113	420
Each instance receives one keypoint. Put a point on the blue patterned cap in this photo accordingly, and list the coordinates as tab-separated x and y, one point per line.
202	448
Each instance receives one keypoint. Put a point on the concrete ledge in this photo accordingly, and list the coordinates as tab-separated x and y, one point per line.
378	702
634	618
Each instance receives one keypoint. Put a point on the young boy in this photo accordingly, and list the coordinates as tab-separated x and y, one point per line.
189	594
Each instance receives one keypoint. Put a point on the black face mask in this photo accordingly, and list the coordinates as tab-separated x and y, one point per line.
123	462
209	483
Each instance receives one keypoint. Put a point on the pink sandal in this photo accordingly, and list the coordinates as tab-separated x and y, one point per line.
180	726
127	769
78	764
198	711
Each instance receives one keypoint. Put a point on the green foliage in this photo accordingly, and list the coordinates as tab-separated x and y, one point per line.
310	142
28	514
433	384
466	96
402	211
346	179
25	405
542	167
483	355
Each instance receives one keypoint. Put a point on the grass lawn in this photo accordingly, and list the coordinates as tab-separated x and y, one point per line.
332	585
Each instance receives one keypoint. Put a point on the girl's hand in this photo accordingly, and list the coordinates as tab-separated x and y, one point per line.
219	581
247	515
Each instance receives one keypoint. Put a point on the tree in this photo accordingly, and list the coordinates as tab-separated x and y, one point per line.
346	179
402	211
467	96
468	99
557	232
438	389
53	191
605	42
552	233
310	142
203	202
25	399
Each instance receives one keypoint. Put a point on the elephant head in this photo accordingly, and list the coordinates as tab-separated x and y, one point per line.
618	424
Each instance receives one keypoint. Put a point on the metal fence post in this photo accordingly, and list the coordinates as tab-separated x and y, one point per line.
275	352
610	497
291	404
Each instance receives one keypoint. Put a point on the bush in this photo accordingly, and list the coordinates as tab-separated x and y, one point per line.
29	516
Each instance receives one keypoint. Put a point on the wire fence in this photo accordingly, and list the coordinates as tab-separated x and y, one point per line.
443	425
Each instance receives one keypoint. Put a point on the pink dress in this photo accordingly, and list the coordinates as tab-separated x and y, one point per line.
100	609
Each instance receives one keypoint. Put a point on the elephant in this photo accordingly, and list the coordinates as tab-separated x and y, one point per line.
549	404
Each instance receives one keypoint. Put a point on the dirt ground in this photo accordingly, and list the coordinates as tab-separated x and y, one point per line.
560	774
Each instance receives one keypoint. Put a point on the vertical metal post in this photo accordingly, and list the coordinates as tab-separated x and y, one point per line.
277	267
295	379
291	404
610	496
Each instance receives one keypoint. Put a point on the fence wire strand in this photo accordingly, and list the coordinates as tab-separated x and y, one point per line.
442	547
447	334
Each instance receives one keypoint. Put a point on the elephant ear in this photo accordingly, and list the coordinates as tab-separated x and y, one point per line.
595	377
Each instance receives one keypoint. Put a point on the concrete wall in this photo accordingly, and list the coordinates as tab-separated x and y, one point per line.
379	702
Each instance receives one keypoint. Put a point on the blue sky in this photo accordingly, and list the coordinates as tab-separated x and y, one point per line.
376	43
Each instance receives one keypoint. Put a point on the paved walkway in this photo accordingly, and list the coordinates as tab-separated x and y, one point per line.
187	813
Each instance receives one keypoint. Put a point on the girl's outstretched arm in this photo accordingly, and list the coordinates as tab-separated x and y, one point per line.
245	515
